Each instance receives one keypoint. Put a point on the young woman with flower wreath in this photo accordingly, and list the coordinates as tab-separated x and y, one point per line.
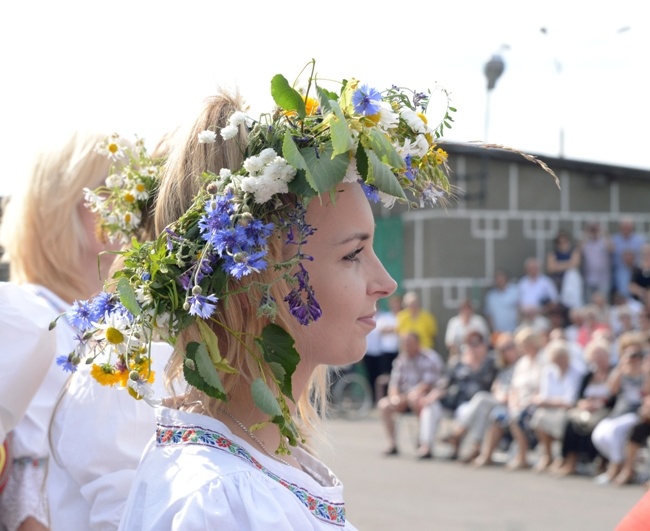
262	276
50	240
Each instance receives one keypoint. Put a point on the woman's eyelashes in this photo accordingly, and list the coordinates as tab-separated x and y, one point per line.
352	257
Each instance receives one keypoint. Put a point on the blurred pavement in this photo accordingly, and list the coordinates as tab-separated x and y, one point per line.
400	493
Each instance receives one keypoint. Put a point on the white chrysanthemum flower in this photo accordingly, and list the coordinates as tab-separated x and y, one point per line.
249	184
253	165
281	170
225	173
387	118
352	175
267	155
413	120
267	187
115	180
238	118
230	131
207	137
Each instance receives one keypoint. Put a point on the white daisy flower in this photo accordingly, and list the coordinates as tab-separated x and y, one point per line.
130	220
387	118
413	120
207	137
115	331
140	191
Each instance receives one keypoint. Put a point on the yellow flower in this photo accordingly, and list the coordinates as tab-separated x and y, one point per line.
311	106
441	156
105	374
129	197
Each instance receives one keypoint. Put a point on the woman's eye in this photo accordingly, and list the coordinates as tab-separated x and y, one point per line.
352	257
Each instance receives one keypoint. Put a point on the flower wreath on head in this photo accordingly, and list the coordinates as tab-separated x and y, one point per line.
306	147
123	200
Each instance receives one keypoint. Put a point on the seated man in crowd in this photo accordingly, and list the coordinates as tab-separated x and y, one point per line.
415	371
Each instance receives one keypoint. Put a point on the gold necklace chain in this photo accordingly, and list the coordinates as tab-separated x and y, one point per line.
252	436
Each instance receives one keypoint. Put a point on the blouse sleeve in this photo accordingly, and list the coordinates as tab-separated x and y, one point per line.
28	348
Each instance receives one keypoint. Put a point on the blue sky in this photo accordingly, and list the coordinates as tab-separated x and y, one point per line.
143	67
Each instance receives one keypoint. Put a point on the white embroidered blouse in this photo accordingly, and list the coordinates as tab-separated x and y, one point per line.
196	474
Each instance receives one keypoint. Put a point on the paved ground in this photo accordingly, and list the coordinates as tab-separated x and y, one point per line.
401	493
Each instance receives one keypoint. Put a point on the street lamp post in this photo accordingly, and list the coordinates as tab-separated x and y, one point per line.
492	70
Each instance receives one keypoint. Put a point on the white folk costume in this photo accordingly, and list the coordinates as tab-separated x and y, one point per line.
98	435
24	336
197	475
24	494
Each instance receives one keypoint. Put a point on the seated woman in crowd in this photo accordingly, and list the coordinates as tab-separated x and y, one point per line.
638	439
473	371
558	390
473	423
594	403
627	382
525	386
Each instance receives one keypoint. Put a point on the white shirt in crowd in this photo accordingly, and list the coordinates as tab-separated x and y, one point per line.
532	291
389	340
553	384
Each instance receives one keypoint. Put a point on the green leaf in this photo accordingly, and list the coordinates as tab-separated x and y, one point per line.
286	96
291	152
374	139
324	98
264	398
210	339
381	176
278	349
324	169
127	296
340	130
201	373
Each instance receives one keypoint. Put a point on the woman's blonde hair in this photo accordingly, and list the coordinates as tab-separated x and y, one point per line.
42	232
181	180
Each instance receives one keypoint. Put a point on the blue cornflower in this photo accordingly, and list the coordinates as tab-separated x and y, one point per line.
100	305
66	363
366	100
242	264
258	232
372	193
217	216
410	171
80	315
230	240
202	306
